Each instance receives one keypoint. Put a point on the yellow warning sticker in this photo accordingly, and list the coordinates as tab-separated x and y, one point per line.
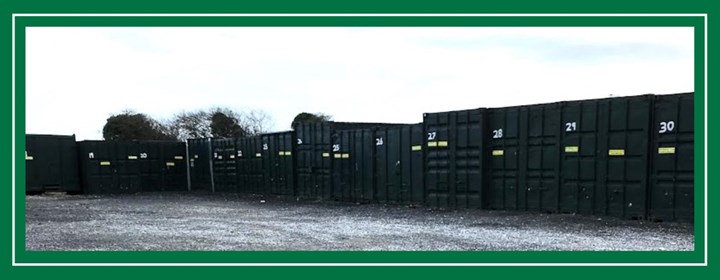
326	155
232	156
258	155
170	163
666	150
132	157
337	156
104	163
345	155
498	152
288	153
219	157
196	156
442	144
416	148
282	153
178	157
432	144
572	149
616	152
29	158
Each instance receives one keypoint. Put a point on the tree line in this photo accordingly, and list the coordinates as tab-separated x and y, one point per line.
218	122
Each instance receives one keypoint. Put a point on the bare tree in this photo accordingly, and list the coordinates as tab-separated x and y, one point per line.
219	122
255	122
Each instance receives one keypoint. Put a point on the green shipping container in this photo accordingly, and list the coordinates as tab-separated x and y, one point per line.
454	146
250	169
399	165
51	164
278	150
673	160
199	157
523	154
224	166
605	156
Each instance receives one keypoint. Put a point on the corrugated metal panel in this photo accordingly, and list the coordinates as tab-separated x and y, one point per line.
352	165
454	144
399	167
524	157
624	152
150	159
174	166
315	155
130	166
199	157
126	167
51	163
579	156
605	156
224	166
673	160
107	169
279	162
313	148
250	169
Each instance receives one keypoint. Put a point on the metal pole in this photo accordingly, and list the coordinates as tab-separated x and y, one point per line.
187	164
210	160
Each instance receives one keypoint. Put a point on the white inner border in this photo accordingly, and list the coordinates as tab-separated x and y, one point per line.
704	263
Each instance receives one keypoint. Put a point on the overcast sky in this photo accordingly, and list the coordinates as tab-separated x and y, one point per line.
78	77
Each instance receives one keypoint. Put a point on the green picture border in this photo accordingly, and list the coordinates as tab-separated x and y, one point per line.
23	256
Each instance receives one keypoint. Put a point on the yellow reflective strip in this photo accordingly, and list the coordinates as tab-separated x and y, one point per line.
196	156
337	155
29	158
432	144
170	163
282	153
132	157
258	155
416	148
345	155
442	143
572	149
232	156
219	157
616	152
288	153
666	150
498	152
104	163
325	154
178	157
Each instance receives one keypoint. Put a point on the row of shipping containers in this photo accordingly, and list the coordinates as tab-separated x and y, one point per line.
629	157
59	163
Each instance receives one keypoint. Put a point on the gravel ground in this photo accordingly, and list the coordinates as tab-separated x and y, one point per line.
182	221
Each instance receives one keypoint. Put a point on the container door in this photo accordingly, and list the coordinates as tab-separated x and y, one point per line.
416	162
437	178
624	153
49	159
32	180
69	162
503	152
542	141
579	156
672	187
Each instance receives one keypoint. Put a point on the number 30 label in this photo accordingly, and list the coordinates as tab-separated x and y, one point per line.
667	126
